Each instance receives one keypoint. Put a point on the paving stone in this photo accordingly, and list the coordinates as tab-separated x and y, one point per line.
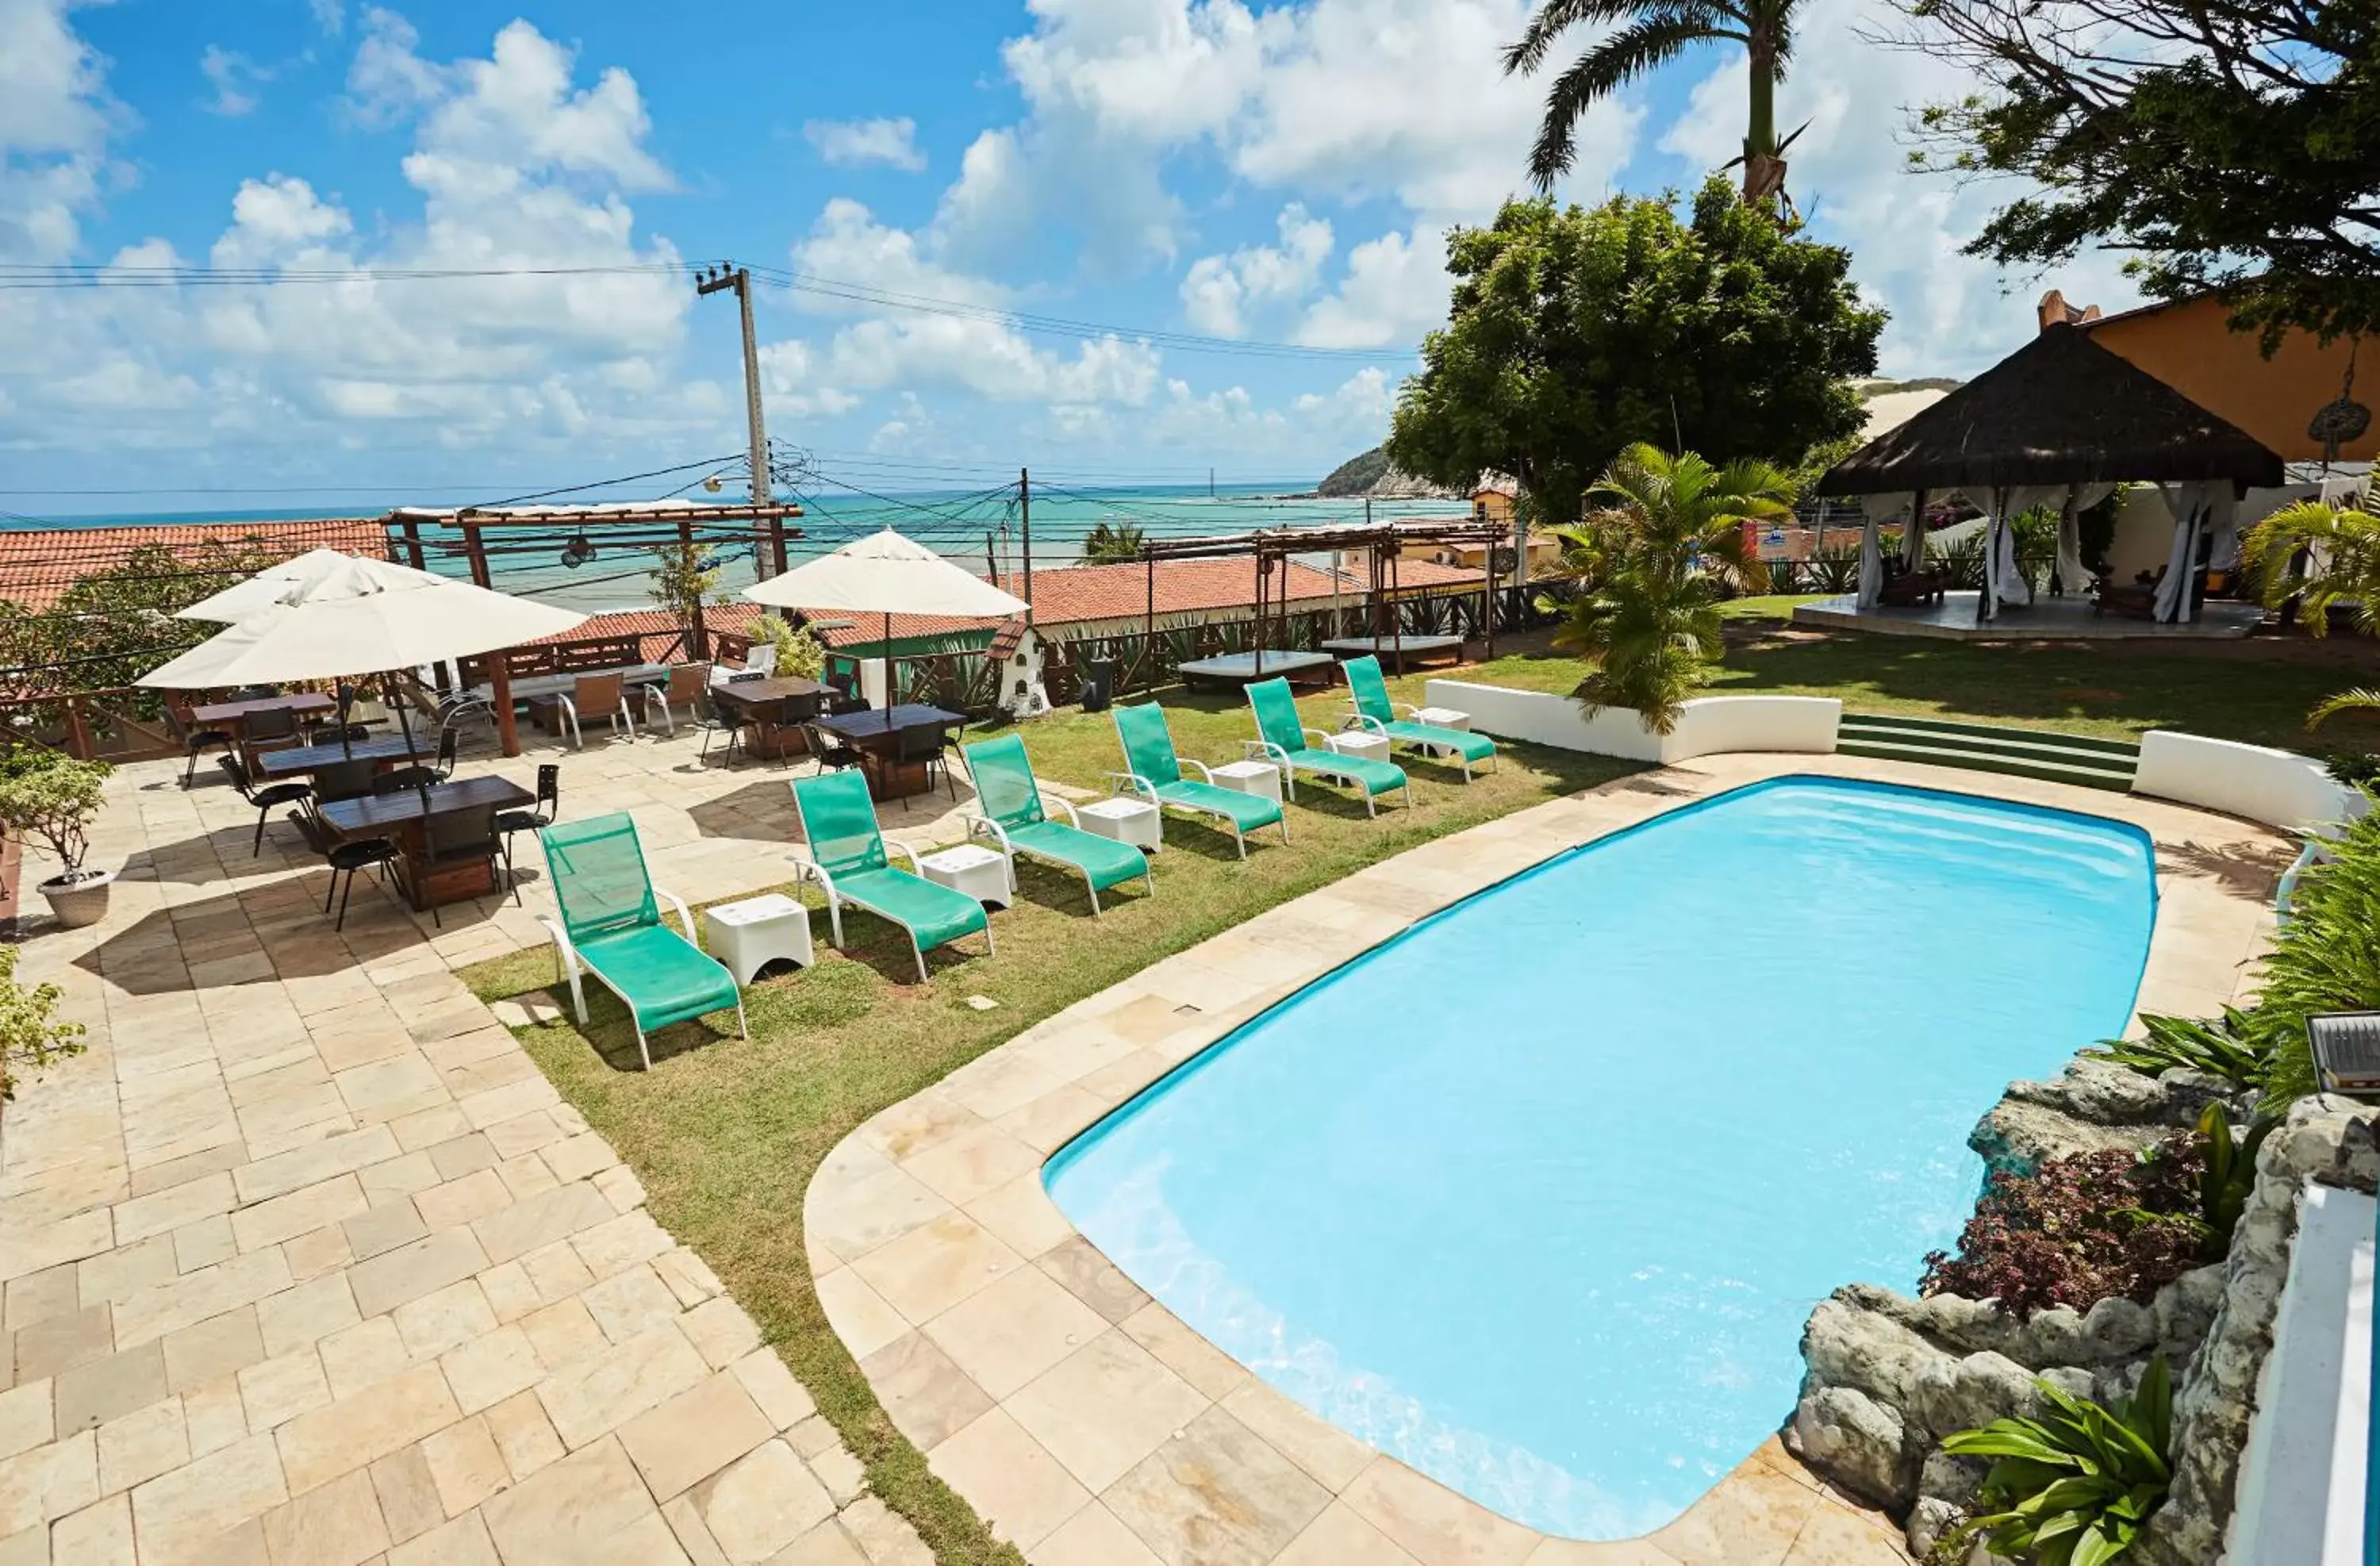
378	1229
113	1275
203	1244
383	1282
443	1319
687	1278
359	1430
529	1175
557	1273
1094	1280
884	1537
1093	1536
1432	1522
693	1533
465	1467
398	1180
601	1393
299	1212
208	1292
554	1215
510	1293
175	1514
588	1509
636	1301
812	1435
275	1391
46	1482
563	1333
783	1399
215	1415
1332	1456
220	1346
1021	1490
169	1209
89	1395
59	1342
624	1241
481	1194
312	1256
1220	1493
314	1162
141	1445
845	1478
297	1317
356	1356
762	1504
720	1331
100	1534
694	1434
26	1418
523	1434
40	1296
463	1542
928	1398
408	1494
338	1525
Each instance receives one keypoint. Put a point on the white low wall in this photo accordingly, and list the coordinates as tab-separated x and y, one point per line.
2279	788
1709	725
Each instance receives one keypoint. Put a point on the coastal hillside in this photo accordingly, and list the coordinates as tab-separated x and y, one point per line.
1371	475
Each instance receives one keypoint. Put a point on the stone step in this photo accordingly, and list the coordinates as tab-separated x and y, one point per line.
1991	732
2087	774
2016	745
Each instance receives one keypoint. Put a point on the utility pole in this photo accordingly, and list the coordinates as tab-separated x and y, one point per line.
718	279
1025	535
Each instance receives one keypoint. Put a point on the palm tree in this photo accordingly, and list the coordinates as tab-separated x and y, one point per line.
1652	565
1652	33
1111	545
2323	556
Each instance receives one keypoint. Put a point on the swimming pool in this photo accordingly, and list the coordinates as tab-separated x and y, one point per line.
1537	1197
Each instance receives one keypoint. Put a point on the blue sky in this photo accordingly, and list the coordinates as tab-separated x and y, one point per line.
1265	173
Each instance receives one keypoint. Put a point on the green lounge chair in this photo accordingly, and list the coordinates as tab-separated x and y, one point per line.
1008	800
847	858
1280	739
1154	772
1376	713
612	926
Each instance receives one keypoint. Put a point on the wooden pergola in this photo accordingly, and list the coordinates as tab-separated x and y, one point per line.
1272	548
560	529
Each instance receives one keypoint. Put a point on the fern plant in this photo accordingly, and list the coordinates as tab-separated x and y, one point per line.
2074	1486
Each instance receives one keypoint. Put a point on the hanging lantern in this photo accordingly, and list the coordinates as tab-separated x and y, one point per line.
578	552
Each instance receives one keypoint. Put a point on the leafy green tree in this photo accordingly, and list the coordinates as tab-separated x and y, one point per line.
29	1039
1112	543
114	625
800	655
1654	564
1578	332
2228	144
1650	34
684	582
2277	552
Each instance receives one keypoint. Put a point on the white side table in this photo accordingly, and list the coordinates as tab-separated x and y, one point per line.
1250	777
1442	718
1135	821
982	873
1357	741
749	935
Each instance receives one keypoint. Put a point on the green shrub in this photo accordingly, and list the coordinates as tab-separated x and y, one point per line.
799	654
2322	959
2229	1049
2075	1486
50	796
29	1039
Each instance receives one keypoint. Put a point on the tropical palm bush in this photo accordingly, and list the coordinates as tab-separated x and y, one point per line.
2322	959
1652	565
1112	544
2074	1486
2325	557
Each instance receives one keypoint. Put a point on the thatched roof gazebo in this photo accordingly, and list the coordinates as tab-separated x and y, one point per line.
2059	421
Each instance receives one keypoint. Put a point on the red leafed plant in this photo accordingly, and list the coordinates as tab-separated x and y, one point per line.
2081	1229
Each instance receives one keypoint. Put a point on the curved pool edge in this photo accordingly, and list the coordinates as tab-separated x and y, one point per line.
1081	1417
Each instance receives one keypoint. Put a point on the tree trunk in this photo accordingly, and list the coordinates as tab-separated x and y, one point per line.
1764	170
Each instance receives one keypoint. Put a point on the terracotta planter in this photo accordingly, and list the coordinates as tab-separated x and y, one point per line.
80	899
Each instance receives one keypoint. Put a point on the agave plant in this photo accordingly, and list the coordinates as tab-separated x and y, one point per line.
2075	1486
2219	1049
1652	565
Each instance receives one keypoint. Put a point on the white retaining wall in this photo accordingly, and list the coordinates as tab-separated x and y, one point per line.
1709	725
2279	788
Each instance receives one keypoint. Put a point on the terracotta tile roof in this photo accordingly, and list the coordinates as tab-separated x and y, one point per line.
1067	596
37	565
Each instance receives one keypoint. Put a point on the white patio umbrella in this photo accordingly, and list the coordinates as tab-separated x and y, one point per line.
886	574
266	588
363	617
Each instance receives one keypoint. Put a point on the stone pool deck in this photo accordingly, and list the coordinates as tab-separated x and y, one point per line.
1092	1427
305	1264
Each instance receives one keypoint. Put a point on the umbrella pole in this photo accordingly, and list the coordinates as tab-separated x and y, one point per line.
889	703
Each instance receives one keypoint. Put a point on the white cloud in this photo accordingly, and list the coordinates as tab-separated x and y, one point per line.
235	77
54	119
1950	315
858	142
1218	291
331	16
1396	288
975	352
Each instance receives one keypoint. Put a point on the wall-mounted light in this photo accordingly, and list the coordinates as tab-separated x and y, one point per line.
578	552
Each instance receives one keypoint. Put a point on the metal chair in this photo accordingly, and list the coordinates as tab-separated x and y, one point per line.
195	742
266	800
256	693
606	694
911	746
687	684
547	812
459	837
404	780
275	728
447	742
344	780
832	754
331	732
347	858
719	718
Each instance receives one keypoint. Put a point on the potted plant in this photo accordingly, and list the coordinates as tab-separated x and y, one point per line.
48	795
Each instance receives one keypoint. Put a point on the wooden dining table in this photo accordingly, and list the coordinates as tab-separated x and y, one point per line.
876	734
360	759
400	818
773	711
234	716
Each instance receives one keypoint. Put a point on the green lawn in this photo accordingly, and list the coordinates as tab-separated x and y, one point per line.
2257	691
724	1135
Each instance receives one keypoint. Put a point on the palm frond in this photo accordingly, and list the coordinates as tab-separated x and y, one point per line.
2362	698
1631	53
1553	19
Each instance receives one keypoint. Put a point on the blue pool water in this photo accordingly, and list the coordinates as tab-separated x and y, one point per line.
1537	1197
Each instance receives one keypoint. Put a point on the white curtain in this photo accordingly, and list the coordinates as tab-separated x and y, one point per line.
2072	575
2223	526
1876	509
2187	502
1988	602
1912	537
